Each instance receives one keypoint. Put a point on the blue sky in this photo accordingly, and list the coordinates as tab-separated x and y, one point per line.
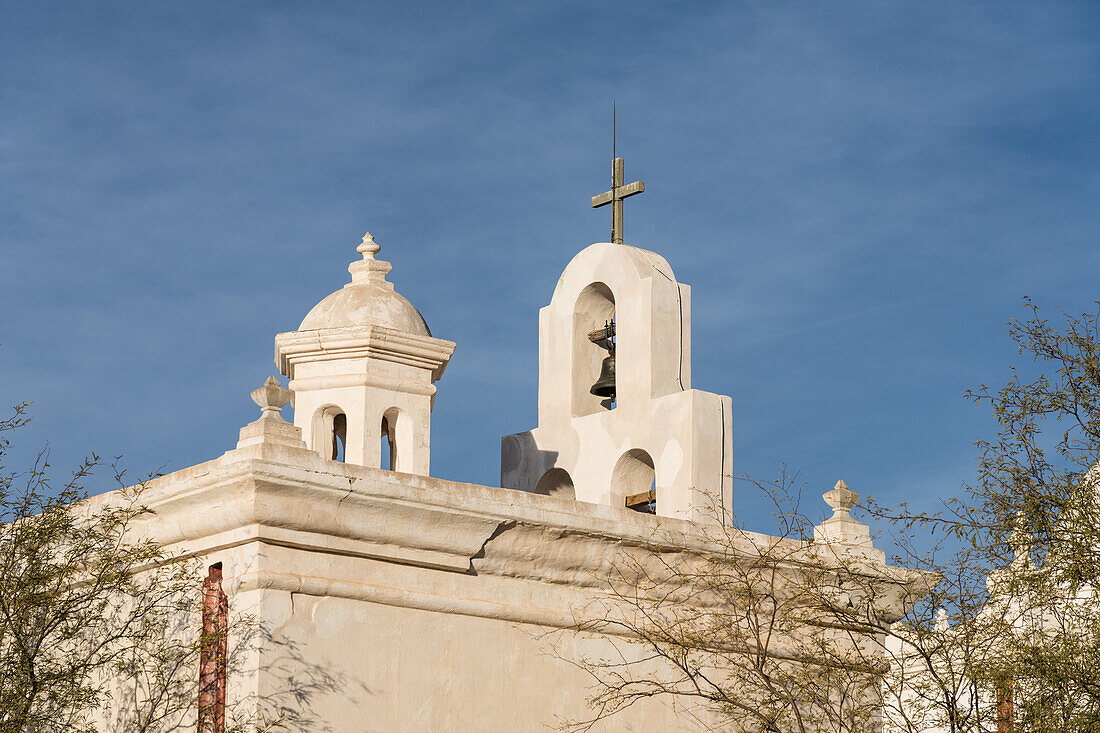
859	194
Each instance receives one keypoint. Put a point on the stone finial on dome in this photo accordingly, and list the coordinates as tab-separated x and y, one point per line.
271	398
842	500
368	268
368	247
368	300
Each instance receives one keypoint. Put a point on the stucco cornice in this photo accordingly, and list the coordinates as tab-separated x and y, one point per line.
378	342
290	498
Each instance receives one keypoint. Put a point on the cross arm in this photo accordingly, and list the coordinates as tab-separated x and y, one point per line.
603	199
619	192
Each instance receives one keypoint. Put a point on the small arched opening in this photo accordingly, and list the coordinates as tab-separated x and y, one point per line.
633	481
593	310
389	446
330	432
556	482
394	440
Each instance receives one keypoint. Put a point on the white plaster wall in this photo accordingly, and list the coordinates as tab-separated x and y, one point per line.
390	669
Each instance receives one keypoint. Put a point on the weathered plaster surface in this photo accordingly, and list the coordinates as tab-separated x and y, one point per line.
398	602
404	602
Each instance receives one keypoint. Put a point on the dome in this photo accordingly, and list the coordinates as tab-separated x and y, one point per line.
366	305
368	300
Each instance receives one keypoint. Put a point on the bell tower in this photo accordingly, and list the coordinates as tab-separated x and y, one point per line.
619	423
654	444
362	367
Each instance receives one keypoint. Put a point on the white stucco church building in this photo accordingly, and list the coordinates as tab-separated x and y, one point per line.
396	601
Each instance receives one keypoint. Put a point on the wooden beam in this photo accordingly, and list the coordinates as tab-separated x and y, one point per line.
646	497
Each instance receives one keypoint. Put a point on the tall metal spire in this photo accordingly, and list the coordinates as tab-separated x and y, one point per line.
618	191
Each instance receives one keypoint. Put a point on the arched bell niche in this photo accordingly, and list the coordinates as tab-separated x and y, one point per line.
594	307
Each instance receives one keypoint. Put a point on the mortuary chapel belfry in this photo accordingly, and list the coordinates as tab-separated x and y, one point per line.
655	444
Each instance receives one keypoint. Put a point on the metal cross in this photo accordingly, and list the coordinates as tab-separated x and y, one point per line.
615	197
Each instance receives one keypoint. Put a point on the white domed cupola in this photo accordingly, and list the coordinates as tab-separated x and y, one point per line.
368	300
362	367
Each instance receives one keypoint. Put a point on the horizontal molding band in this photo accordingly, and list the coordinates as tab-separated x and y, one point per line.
305	384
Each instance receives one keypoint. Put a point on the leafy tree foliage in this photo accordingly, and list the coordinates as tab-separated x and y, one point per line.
1019	634
97	624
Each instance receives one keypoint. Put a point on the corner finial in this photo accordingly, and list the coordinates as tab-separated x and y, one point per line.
842	500
842	529
271	429
368	248
271	398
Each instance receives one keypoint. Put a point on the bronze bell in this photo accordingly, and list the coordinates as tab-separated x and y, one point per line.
605	385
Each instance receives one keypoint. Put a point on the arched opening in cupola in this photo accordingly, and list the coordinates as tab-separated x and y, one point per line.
594	311
389	446
395	440
330	433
